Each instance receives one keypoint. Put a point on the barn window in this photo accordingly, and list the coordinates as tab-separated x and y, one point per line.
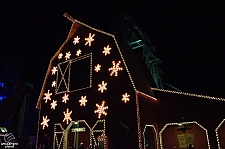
74	74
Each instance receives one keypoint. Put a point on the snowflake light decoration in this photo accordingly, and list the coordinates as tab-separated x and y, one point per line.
83	101
115	68
45	122
102	86
53	104
97	68
67	55
89	39
60	56
106	50
47	96
101	109
125	97
76	40
67	117
65	97
78	52
53	83
54	70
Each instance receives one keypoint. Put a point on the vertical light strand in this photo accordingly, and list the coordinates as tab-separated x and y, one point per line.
138	121
39	114
217	134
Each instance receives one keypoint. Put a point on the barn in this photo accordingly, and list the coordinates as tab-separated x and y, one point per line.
99	94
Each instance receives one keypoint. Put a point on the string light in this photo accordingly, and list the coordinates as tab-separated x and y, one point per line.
60	56
45	121
54	70
39	117
106	50
155	133
53	83
78	52
217	134
89	39
188	94
97	68
115	68
101	109
67	117
138	120
76	40
53	104
183	123
92	130
55	141
146	95
83	101
47	96
125	97
102	86
65	97
68	68
67	55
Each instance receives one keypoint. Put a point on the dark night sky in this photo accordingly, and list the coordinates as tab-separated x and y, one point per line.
189	37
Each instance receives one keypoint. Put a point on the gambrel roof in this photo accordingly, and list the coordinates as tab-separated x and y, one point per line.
138	74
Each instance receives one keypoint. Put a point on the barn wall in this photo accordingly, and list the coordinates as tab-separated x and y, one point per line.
175	108
148	112
170	138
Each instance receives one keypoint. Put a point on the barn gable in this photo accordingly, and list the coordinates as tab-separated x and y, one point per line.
87	81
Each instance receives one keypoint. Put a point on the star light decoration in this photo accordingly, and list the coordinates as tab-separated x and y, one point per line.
53	83
60	56
67	117
53	104
97	68
102	86
65	97
45	122
101	109
78	52
67	55
89	39
76	40
54	70
115	68
106	50
83	101
125	97
47	96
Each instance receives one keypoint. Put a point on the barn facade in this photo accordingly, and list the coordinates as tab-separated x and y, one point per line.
99	94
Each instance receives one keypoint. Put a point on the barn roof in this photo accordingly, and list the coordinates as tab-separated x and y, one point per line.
139	75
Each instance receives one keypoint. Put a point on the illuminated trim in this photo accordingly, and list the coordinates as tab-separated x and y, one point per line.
217	135
67	84
172	124
156	136
138	120
55	141
146	95
39	122
188	94
92	130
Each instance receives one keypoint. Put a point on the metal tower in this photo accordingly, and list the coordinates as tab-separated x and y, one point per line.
138	41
